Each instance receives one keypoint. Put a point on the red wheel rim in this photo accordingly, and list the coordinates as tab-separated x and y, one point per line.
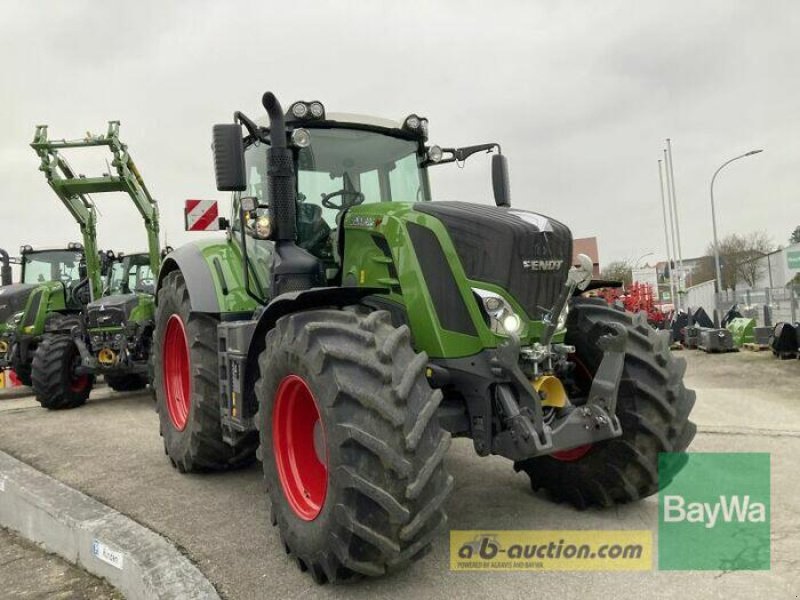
177	383
299	447
79	383
578	452
572	454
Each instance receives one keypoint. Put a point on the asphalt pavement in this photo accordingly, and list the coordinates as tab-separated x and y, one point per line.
110	449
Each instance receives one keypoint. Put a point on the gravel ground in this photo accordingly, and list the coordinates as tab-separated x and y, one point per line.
29	573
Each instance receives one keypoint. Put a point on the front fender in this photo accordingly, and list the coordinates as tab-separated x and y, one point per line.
293	302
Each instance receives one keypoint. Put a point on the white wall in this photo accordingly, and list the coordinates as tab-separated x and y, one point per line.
701	295
778	264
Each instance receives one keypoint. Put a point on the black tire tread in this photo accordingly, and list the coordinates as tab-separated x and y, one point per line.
205	450
384	414
653	407
47	374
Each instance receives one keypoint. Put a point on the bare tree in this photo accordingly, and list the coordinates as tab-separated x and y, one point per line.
619	270
751	268
795	237
739	258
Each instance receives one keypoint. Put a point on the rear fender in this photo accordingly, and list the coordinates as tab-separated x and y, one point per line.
213	274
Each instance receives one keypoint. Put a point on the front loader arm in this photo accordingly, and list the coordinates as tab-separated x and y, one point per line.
74	190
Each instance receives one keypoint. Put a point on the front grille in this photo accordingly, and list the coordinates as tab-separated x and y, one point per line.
493	244
109	317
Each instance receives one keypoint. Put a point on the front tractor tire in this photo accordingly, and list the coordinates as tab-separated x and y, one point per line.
55	383
186	385
351	447
653	407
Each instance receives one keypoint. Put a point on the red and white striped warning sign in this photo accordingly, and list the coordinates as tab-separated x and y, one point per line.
201	215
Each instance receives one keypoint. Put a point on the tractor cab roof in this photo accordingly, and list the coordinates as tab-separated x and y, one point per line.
418	130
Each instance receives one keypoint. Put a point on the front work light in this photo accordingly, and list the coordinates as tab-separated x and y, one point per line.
435	154
299	109
303	111
301	138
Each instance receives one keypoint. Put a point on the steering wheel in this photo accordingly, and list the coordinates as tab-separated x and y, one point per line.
326	199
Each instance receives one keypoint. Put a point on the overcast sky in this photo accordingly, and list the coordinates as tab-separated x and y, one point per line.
581	95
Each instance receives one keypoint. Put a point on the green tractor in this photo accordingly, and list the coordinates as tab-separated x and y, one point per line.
110	332
347	327
52	287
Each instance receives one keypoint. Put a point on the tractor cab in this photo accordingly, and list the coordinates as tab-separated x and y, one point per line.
130	273
65	266
342	162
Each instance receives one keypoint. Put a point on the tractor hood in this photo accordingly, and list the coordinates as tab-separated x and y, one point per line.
523	252
13	298
111	311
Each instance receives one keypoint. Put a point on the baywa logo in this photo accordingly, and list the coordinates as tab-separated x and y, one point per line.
714	511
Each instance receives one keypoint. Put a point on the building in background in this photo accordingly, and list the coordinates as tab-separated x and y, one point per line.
587	246
777	269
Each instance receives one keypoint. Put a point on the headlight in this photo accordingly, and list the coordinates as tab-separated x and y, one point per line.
15	319
502	318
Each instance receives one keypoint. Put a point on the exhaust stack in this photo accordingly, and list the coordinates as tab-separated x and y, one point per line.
5	268
280	173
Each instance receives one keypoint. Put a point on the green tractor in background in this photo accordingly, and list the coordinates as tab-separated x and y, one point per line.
52	287
348	326
109	329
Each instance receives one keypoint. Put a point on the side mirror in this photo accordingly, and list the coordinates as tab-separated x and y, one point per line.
228	152
500	184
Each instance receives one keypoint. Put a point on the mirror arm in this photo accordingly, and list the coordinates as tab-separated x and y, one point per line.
243	119
462	154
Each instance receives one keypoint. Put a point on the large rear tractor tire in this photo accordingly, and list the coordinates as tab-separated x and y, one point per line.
653	407
351	447
126	383
186	385
53	373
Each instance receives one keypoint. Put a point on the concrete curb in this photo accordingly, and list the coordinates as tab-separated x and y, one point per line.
135	560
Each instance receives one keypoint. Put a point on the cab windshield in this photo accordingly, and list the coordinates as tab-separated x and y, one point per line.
130	274
342	168
52	265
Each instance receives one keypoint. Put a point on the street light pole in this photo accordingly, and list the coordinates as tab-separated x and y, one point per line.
666	237
671	185
714	215
674	265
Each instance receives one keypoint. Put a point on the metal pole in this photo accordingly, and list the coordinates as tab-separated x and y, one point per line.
769	267
677	299
666	234
714	213
681	273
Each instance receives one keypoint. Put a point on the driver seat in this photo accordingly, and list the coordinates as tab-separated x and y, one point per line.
312	230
